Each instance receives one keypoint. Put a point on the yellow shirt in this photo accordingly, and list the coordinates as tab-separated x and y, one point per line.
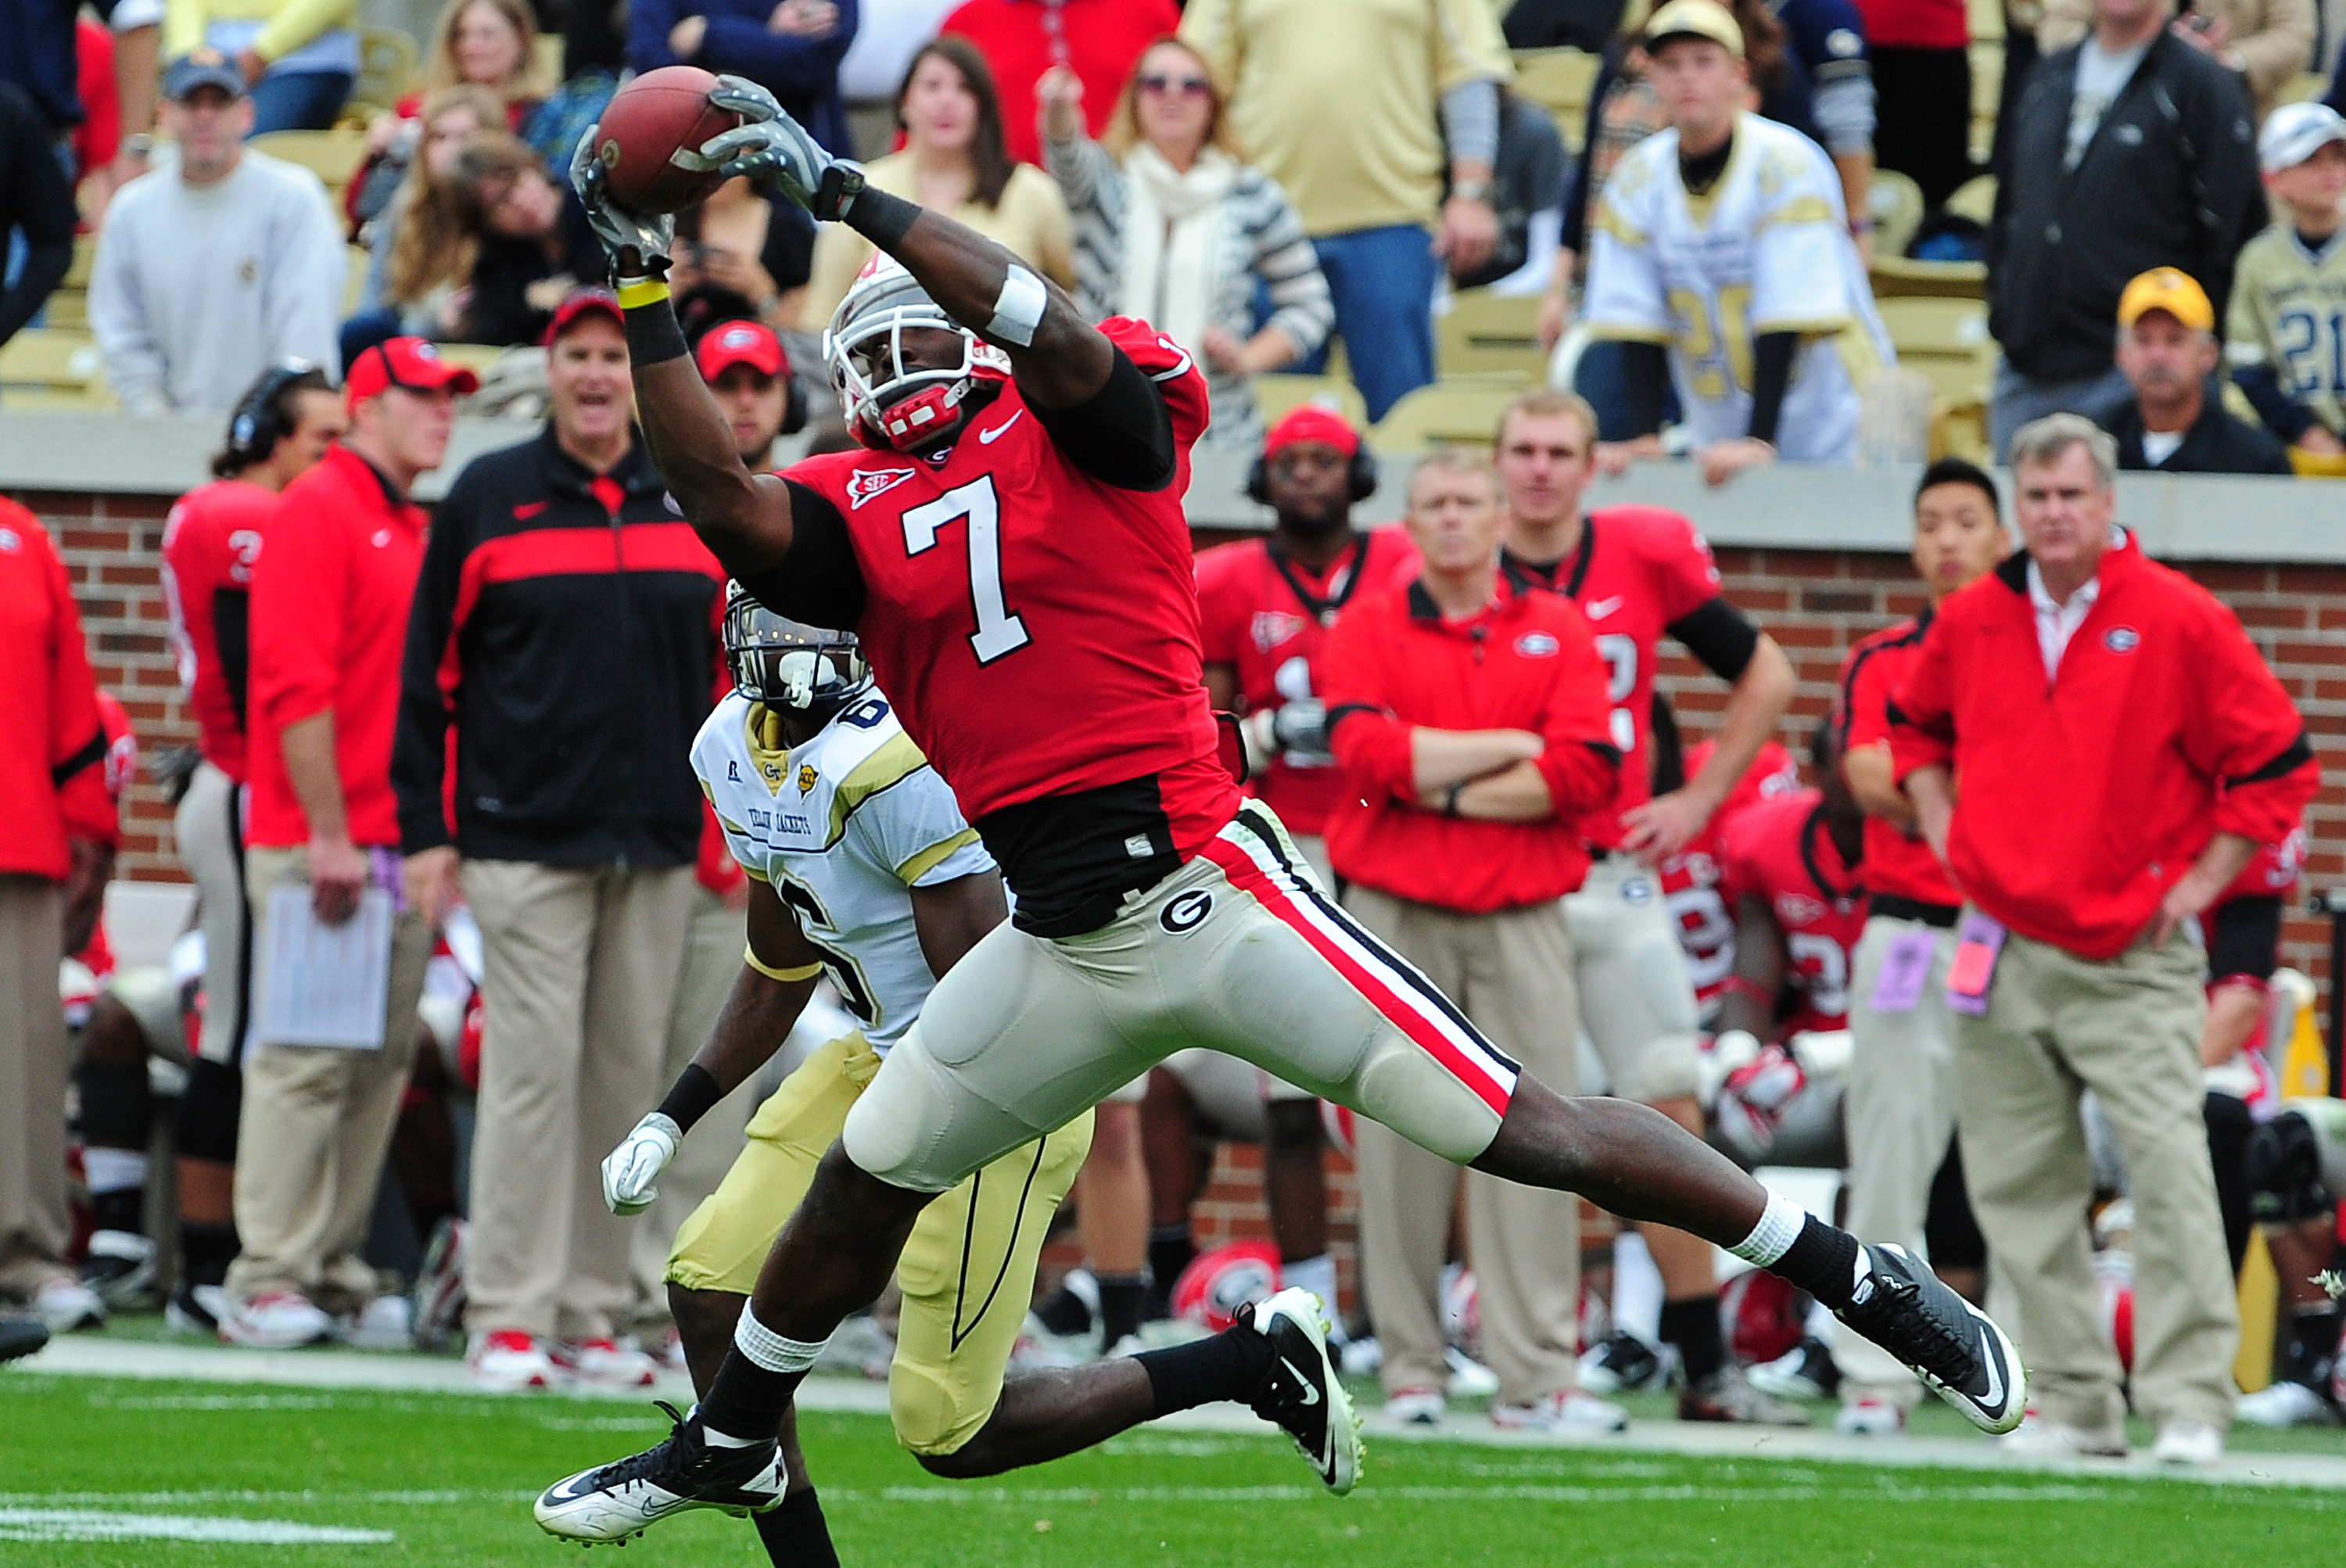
1338	99
1031	220
291	23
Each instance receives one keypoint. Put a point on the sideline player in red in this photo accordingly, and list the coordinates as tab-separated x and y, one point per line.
1012	556
1693	880
1640	573
1792	869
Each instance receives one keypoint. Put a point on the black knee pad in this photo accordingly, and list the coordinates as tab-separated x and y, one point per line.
117	1107
2284	1163
208	1111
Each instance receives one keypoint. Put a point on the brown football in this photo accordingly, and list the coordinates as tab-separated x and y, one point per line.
646	124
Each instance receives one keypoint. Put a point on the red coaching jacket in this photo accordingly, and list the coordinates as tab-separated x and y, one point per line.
52	750
1526	662
2080	800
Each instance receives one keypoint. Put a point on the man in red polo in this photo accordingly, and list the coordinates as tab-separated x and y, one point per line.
2122	750
329	618
1470	716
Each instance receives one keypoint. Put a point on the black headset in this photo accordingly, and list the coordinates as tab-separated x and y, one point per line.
1362	474
266	415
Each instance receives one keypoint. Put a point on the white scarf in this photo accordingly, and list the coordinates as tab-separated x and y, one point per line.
1171	227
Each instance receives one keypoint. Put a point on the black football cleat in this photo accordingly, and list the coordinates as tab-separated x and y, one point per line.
1301	1394
614	1502
21	1335
1955	1348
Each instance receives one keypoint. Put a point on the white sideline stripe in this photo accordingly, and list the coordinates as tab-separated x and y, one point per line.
95	1356
95	1524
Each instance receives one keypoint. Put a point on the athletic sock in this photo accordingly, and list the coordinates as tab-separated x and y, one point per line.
1691	1325
1317	1275
1123	1298
795	1533
1170	1250
745	1400
1228	1366
1070	1308
207	1249
1822	1259
117	1186
2309	1345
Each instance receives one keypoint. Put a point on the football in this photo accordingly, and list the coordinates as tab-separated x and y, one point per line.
646	124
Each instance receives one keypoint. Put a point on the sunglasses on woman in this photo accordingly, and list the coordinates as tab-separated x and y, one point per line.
1188	86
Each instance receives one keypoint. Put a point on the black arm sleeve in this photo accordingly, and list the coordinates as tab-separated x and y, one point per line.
819	581
44	212
1721	637
1645	370
1123	436
1771	374
231	618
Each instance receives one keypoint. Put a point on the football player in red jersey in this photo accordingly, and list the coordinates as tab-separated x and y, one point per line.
1692	880
1013	555
1639	572
1791	867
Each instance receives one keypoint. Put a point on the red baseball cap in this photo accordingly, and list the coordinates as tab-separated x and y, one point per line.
412	365
583	302
1311	422
751	344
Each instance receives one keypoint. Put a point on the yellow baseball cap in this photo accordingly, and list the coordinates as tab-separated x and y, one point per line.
1695	19
2166	288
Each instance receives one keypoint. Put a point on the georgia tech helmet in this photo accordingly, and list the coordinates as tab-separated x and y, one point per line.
802	670
890	405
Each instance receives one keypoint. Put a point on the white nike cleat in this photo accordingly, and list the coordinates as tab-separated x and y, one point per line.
2194	1444
1957	1348
1301	1394
614	1502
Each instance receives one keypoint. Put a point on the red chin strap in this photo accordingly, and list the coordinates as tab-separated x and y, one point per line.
915	421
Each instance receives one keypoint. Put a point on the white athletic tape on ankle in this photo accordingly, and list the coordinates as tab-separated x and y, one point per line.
1779	1227
1018	309
768	1350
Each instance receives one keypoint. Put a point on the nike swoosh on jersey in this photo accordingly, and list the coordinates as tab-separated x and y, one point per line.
1600	609
988	437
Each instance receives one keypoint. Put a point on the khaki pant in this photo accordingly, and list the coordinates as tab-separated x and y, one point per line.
316	1124
580	969
712	961
34	1225
209	831
2128	1029
1636	1000
1900	1114
1512	974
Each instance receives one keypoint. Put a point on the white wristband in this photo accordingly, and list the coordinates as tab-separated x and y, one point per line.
1018	309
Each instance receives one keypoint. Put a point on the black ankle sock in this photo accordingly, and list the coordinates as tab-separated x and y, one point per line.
1227	1366
1691	1326
795	1533
745	1400
122	1209
1122	1299
2309	1344
1821	1261
207	1247
1170	1250
1064	1312
118	1108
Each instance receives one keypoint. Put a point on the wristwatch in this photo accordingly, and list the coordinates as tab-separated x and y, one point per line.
1473	191
139	144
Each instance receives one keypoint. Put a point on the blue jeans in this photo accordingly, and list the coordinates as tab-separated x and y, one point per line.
1597	378
299	100
1383	281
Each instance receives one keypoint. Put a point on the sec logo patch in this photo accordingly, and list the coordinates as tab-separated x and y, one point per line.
2122	639
1186	911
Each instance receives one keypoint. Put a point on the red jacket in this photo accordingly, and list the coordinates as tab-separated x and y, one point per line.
1528	662
1899	864
2080	800
52	748
330	601
1102	40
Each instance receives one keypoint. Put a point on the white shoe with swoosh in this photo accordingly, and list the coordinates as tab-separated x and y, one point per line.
1954	1346
1301	1394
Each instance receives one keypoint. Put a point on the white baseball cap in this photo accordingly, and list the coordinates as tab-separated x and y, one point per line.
2295	133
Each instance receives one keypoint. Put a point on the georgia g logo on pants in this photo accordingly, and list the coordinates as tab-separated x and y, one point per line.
1184	911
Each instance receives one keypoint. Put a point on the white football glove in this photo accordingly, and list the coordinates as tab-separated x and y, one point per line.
631	1170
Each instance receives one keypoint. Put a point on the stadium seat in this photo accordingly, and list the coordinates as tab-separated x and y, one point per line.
1560	81
1487	334
52	367
474	357
1274	396
333	156
1987	91
2307	87
2316	465
1447	414
387	59
1945	339
1896	203
356	260
1974	199
1903	277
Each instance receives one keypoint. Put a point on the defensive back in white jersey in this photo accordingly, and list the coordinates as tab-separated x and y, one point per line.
841	827
1766	250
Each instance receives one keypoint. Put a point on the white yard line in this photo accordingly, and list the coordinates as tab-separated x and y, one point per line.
99	1524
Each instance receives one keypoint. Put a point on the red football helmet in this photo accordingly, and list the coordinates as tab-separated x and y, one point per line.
1217	1283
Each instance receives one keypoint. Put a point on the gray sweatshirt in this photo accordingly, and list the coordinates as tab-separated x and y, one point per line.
199	288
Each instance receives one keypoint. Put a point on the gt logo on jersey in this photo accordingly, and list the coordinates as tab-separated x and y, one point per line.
866	483
806	779
1272	627
1184	911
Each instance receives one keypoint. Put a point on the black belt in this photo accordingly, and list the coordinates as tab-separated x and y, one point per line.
1943	916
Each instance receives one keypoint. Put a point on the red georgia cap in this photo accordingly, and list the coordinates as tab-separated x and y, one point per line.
583	302
1311	422
751	344
412	365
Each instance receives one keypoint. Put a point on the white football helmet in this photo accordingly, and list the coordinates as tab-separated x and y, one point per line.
889	405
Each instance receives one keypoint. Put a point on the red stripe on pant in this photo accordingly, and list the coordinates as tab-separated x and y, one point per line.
1399	1009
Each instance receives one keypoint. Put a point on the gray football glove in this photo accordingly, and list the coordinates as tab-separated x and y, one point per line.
771	146
639	247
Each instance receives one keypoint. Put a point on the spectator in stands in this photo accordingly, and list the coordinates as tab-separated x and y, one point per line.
37	210
1352	121
2286	332
1527	194
2168	354
1825	41
747	251
211	541
56	852
298	57
1469	713
1921	69
2267	43
1174	227
893	31
1769	278
1098	42
2129	150
2123	750
955	160
489	45
418	249
533	246
791	48
213	270
330	601
579	871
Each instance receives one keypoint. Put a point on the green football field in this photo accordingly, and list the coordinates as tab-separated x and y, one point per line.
103	1472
